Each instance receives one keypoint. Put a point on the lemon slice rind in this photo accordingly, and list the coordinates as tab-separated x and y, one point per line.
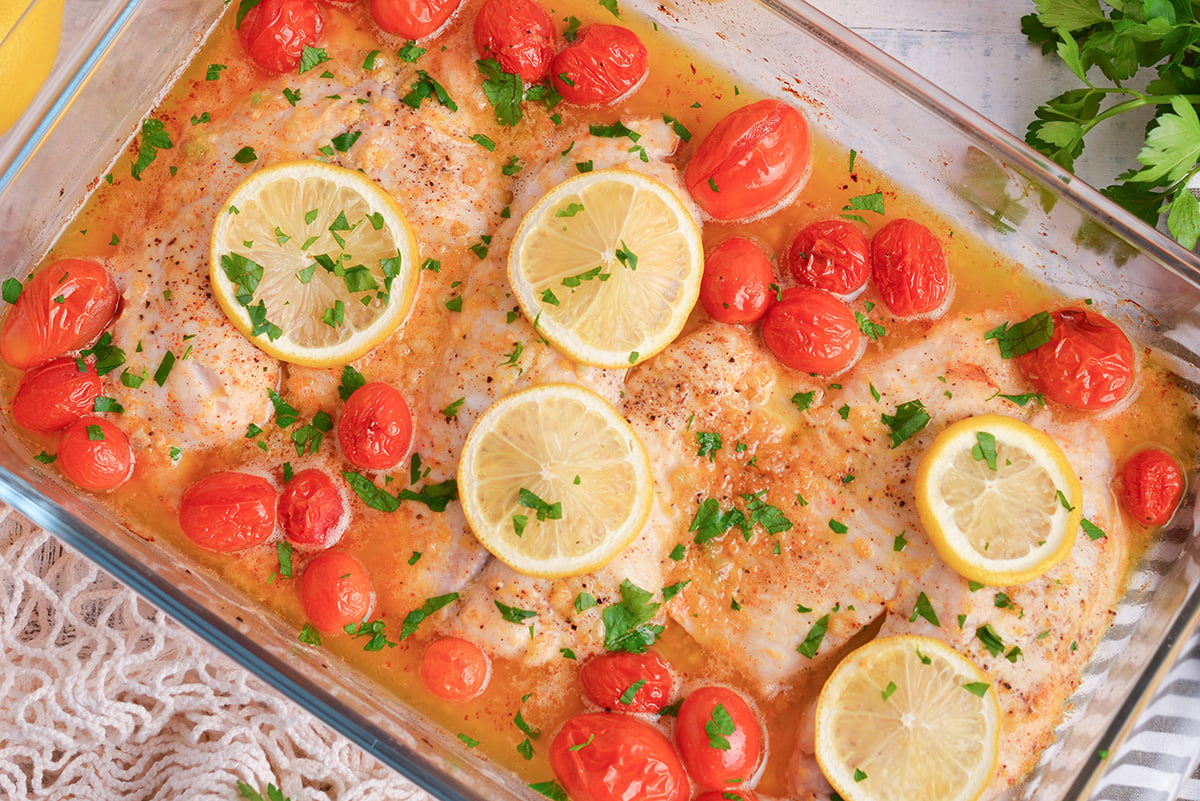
339	262
908	717
566	445
1057	505
573	277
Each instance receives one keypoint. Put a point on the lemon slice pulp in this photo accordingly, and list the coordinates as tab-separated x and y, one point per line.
314	263
999	500
907	717
554	481
607	266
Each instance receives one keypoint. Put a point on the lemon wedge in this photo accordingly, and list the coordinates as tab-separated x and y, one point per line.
314	263
607	266
554	481
907	717
29	36
999	500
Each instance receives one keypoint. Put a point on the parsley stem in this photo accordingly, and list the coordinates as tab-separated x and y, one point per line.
1138	101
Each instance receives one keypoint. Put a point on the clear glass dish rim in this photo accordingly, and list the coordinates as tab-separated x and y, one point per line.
374	740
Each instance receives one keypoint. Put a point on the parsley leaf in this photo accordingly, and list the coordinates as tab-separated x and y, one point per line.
627	624
1020	338
504	90
154	139
812	641
718	728
909	418
417	616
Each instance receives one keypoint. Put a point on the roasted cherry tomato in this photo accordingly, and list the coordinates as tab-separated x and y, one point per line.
519	34
909	268
736	287
228	511
275	32
455	669
607	757
832	255
719	737
55	395
413	19
1087	364
604	64
336	591
312	511
812	331
754	161
375	428
63	308
94	454
609	677
1151	486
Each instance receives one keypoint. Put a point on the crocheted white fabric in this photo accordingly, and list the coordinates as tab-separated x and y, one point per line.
104	698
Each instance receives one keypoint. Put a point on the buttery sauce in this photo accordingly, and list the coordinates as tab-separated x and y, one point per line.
408	553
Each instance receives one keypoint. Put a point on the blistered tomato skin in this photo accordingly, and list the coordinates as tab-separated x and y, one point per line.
604	64
312	511
375	427
736	287
229	511
753	162
812	331
1088	364
1151	486
275	32
616	758
518	34
909	269
413	19
455	669
94	454
832	255
55	395
62	309
606	678
730	755
336	591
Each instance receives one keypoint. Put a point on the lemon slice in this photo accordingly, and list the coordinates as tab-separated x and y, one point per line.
907	717
29	35
314	263
554	481
607	266
999	500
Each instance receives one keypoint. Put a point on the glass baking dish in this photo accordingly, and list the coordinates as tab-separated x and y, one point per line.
114	71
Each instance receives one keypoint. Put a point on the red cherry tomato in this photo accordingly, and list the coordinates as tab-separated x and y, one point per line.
1087	364
519	34
609	676
275	32
455	669
719	738
812	331
413	19
755	160
94	454
63	308
606	757
736	287
228	511
312	511
909	268
55	395
336	591
727	795
830	255
375	428
604	64
1151	486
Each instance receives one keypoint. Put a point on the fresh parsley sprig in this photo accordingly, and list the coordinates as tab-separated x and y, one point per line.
1118	40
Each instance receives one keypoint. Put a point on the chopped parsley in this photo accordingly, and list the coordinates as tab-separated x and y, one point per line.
909	418
1020	338
627	624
